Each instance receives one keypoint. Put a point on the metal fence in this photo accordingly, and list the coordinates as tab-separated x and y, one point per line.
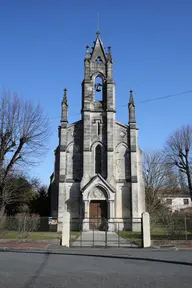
28	227
171	228
83	233
103	233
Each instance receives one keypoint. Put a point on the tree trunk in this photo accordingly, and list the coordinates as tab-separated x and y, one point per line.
189	183
2	211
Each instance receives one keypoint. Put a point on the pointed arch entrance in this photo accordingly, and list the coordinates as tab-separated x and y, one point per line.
98	209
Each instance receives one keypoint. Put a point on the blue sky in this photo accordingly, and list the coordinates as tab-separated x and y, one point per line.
43	47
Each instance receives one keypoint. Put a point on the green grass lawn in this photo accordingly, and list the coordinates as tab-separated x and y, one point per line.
162	234
30	235
158	234
14	235
134	237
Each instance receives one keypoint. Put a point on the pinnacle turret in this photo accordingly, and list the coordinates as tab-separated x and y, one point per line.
131	108
109	55
131	100
64	110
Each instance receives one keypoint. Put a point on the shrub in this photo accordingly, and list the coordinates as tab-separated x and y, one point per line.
23	222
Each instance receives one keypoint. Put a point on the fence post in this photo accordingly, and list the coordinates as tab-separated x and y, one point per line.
146	230
66	229
185	227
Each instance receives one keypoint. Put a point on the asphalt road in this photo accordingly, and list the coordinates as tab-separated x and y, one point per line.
140	269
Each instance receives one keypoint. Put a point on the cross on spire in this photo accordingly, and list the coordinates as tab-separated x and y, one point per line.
65	97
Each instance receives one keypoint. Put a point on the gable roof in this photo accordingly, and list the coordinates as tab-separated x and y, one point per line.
98	49
101	181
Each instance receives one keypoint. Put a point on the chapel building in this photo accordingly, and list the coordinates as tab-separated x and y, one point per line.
98	163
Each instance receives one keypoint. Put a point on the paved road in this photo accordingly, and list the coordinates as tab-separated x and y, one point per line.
101	238
38	270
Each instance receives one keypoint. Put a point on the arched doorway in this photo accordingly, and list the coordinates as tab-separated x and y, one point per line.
98	209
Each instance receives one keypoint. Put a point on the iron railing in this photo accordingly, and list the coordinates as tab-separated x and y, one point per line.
99	232
28	227
171	228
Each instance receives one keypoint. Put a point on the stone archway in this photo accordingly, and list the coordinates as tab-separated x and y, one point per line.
98	189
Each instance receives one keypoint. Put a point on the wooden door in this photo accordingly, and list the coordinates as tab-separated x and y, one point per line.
94	215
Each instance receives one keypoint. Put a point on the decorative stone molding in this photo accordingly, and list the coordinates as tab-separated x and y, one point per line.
110	149
62	178
132	125
86	149
69	180
133	148
97	120
64	124
122	134
63	148
110	110
97	193
133	179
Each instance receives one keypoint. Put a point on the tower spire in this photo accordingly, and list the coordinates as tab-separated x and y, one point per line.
98	48
64	110
131	107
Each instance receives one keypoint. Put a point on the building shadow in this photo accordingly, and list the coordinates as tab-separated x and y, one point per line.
74	202
126	194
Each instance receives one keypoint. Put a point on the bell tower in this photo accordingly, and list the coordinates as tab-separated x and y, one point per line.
98	78
98	112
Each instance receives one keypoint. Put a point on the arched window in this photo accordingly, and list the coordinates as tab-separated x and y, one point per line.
98	159
98	89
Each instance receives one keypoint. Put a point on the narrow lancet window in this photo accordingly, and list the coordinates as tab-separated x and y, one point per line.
98	128
98	160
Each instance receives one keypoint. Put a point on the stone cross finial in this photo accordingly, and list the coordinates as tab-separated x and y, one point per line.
64	108
131	100
65	97
87	52
131	109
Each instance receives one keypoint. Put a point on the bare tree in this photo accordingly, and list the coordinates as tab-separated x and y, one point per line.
158	179
178	150
24	132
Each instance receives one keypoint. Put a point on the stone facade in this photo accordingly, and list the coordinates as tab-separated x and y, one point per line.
98	158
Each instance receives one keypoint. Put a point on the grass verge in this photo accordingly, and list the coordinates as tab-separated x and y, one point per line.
134	237
14	235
